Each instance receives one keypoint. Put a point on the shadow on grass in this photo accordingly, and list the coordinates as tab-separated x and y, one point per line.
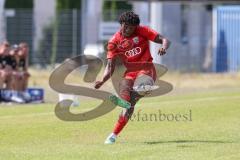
185	142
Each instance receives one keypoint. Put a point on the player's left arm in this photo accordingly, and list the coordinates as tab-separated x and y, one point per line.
165	44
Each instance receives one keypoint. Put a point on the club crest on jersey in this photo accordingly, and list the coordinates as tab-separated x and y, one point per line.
136	40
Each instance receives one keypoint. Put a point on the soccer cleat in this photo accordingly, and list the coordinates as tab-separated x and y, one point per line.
120	102
111	139
144	89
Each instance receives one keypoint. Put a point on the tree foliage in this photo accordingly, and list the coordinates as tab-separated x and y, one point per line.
18	4
68	4
112	9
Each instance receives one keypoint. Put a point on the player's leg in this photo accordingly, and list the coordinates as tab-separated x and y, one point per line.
12	81
120	102
20	81
23	83
133	96
128	94
26	78
126	114
3	78
144	84
13	84
17	81
125	88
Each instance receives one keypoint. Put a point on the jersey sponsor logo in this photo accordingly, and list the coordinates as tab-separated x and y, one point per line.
133	52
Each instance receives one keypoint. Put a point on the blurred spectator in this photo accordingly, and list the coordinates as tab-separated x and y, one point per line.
13	83
23	64
5	65
14	72
19	79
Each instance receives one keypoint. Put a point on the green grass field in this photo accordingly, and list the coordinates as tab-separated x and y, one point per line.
31	132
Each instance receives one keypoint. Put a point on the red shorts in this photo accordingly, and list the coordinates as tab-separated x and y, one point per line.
134	74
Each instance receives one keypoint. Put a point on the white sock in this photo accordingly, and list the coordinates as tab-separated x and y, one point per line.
113	135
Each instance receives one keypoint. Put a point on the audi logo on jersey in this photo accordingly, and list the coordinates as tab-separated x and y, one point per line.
133	52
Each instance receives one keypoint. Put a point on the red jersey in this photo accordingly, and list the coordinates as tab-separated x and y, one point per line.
134	51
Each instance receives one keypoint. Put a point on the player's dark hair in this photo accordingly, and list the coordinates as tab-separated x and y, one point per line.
129	18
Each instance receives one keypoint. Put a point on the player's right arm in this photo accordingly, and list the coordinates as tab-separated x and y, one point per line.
112	51
107	73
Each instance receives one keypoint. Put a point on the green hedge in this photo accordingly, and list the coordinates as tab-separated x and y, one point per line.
18	4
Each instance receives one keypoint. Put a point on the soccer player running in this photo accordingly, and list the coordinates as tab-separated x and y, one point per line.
131	45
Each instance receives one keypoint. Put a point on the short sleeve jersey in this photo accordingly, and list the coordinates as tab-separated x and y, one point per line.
133	50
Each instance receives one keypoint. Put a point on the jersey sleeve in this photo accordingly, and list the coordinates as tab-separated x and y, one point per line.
147	32
112	48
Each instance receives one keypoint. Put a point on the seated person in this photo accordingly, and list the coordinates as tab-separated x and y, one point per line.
23	64
13	72
13	81
5	65
20	74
